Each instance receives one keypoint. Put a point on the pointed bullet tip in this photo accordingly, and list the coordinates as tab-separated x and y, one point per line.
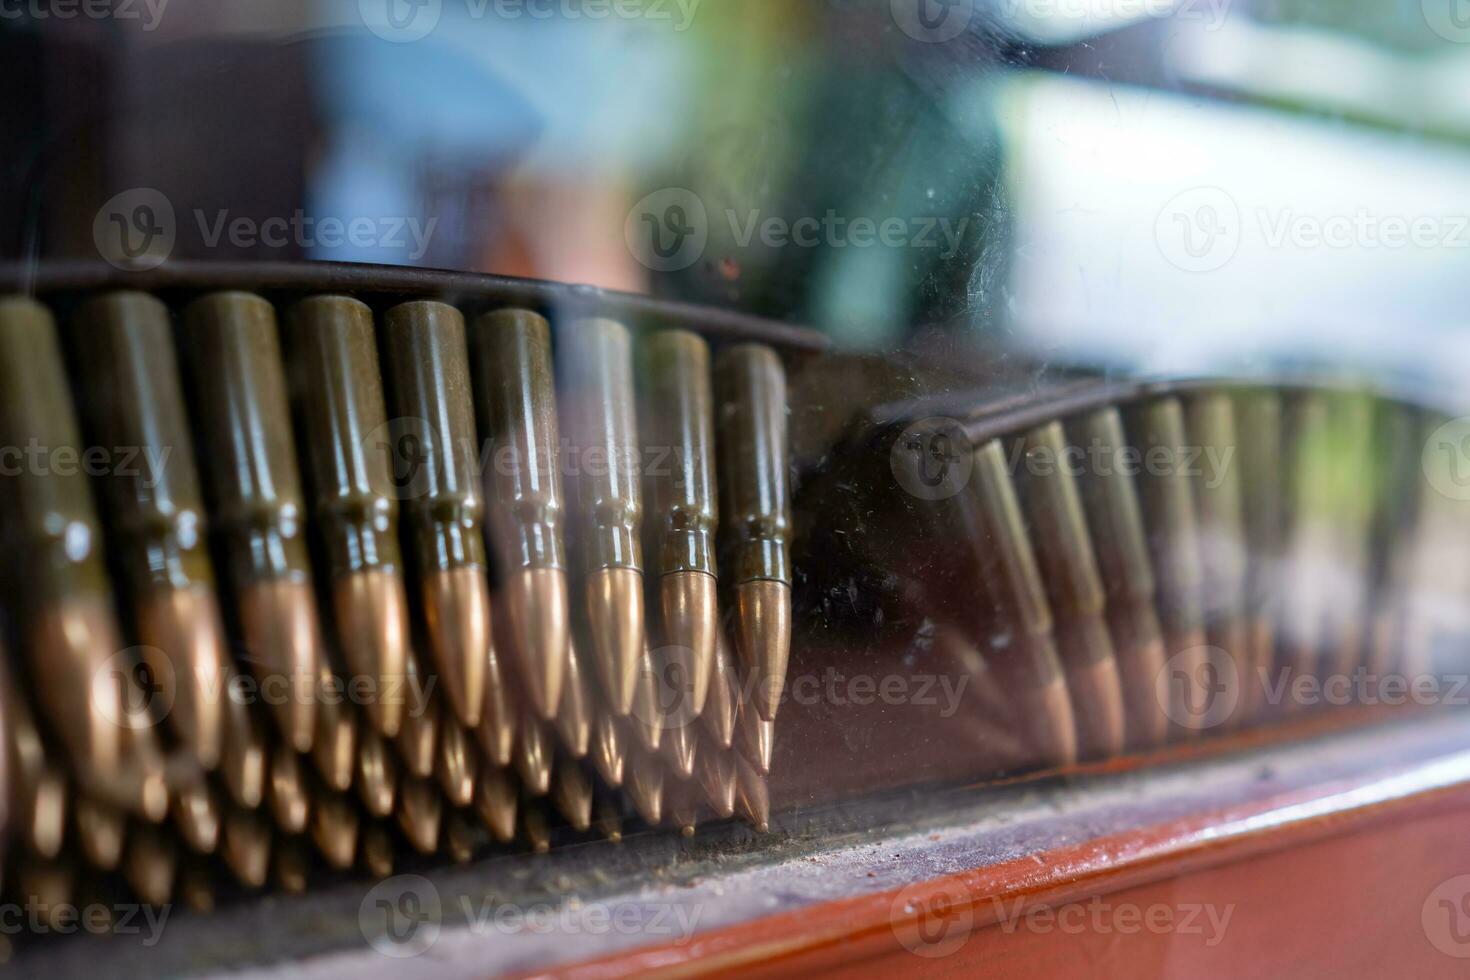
457	609
691	622
372	620
283	642
536	602
763	639
615	618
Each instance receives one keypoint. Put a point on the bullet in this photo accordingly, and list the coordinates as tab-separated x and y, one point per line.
609	748
538	833
196	812
243	762
246	847
517	402
59	582
1262	508
48	887
578	707
644	785
102	830
334	824
572	793
646	718
752	798
335	745
534	748
150	864
1397	450
755	737
1068	566
599	421
756	497
495	802
683	807
377	851
196	886
37	806
1157	431
609	818
461	838
1030	669
1211	427
338	390
1115	518
377	775
457	764
132	395
679	746
420	732
443	502
140	785
290	799
724	695
420	812
291	865
232	357
715	771
679	418
1329	494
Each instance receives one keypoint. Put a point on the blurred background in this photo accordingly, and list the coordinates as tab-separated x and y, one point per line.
1178	185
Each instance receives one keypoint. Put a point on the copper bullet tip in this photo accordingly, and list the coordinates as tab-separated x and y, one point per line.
753	799
536	602
574	716
757	738
185	625
722	704
283	642
609	754
691	622
645	787
572	793
615	617
457	608
372	617
497	729
678	749
495	802
716	772
420	813
533	756
457	764
74	641
763	640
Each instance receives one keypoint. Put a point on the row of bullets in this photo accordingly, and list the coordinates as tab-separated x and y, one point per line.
1110	571
309	611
